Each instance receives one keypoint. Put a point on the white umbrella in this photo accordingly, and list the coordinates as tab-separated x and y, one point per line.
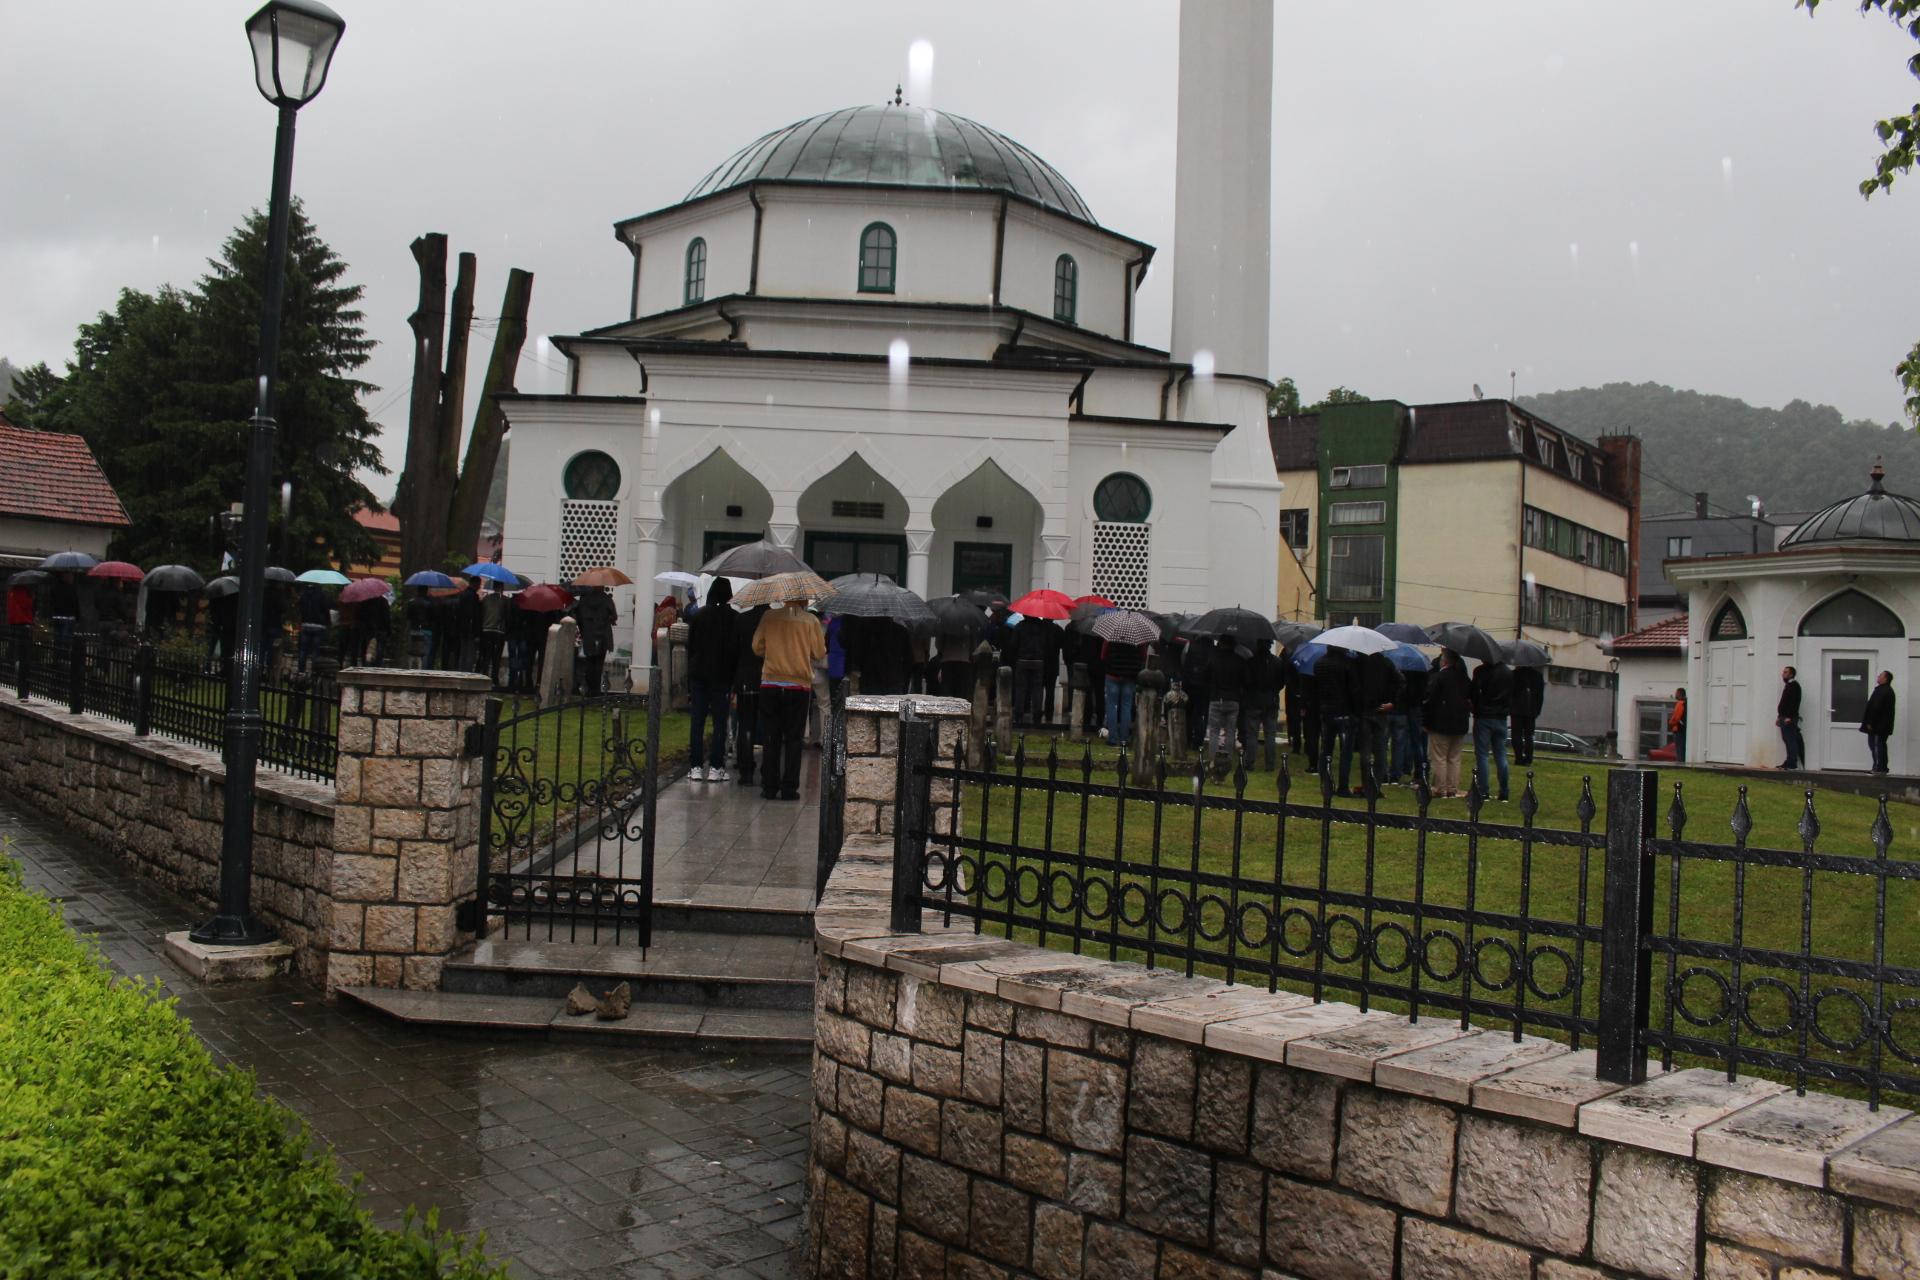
1357	639
681	578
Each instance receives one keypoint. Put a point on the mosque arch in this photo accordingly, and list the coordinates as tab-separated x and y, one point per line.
853	520
714	504
1852	613
986	533
1728	623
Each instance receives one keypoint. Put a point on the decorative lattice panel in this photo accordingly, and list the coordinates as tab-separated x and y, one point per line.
588	535
1122	554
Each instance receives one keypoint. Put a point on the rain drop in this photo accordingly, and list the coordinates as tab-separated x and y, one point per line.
898	354
156	244
1203	364
1573	253
920	73
1726	170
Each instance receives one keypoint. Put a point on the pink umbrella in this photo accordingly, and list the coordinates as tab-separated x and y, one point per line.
117	569
364	589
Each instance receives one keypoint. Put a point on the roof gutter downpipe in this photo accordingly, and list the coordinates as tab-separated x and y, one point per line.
753	268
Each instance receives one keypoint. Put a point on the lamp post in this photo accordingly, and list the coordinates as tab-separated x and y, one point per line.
1613	707
293	43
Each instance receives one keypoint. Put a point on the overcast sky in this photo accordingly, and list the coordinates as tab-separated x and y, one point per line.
1627	190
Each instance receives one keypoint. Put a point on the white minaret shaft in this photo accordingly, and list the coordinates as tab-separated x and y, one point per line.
1221	271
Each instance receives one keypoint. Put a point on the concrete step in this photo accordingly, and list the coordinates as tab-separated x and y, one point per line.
706	917
649	1023
717	970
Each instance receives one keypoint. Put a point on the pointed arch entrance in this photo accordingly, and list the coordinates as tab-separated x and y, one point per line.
853	520
986	529
714	505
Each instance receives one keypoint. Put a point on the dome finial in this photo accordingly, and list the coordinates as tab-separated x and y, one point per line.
1878	473
896	97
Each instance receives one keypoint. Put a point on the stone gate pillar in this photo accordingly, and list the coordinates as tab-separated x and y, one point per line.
406	825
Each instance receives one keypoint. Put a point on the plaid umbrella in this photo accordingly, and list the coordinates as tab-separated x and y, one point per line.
870	595
1125	626
779	587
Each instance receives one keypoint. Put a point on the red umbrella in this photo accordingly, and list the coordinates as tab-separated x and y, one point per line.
117	569
1102	601
1045	603
364	589
544	599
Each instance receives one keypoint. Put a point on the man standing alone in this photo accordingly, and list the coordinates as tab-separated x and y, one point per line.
1787	716
1878	723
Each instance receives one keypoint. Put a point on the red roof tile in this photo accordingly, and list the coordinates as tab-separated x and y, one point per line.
1669	635
48	476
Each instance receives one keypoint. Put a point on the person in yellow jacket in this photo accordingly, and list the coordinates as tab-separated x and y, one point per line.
788	641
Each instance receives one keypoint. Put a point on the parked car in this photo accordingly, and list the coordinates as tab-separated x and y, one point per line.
1567	743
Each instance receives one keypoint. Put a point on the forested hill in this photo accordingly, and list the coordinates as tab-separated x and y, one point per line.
1796	458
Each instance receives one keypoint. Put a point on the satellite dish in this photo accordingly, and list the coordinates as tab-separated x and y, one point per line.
1478	394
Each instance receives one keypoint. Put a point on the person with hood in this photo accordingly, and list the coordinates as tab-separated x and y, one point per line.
1529	699
788	642
596	615
1260	709
1877	724
710	664
1449	716
1492	704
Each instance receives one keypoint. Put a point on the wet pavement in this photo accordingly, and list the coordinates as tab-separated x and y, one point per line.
575	1161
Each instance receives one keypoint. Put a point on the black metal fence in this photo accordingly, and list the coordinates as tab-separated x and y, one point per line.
1609	938
173	698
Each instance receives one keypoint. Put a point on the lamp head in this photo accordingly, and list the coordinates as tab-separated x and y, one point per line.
293	43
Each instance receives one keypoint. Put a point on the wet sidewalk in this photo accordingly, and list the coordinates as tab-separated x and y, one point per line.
575	1161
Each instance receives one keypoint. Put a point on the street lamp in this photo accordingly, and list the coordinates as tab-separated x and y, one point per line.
1613	707
293	43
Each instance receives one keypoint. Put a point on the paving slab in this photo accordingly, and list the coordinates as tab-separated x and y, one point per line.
1667	1113
1884	1166
1551	1090
1353	1052
1791	1137
1447	1071
1267	1035
1187	1018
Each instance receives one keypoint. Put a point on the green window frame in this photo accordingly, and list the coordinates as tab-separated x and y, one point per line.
1066	289
592	476
879	254
696	290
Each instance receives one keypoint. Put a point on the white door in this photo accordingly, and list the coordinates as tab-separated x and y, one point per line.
1725	722
1849	677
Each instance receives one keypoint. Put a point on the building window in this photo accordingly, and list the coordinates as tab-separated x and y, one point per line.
1295	527
877	258
1357	513
1066	289
1357	568
1728	624
1679	547
845	510
1543	445
1371	477
696	271
592	476
1565	611
1573	541
1122	497
1576	464
1852	614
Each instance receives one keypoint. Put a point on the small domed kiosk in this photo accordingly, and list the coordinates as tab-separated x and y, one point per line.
1839	602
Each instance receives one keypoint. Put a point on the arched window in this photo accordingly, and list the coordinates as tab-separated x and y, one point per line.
877	244
592	476
696	271
1852	614
1728	624
1066	289
1123	498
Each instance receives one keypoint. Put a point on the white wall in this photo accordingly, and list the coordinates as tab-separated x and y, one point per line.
1176	464
810	244
1016	524
1035	240
1642	675
727	226
42	538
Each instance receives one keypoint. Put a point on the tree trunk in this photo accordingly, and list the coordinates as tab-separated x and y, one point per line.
489	423
437	499
418	481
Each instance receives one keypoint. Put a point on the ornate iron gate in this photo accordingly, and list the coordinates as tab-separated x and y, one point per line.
567	810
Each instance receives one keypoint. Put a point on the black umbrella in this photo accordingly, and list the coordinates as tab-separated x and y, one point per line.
755	560
1468	641
220	588
1083	616
274	573
981	598
172	577
1295	634
1525	653
27	578
957	616
1404	632
1243	625
870	595
78	561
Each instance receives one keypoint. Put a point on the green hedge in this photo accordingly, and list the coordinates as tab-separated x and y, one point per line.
126	1151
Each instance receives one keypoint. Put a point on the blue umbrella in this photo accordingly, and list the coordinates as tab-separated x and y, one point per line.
1307	656
430	578
493	573
78	561
1407	658
1404	632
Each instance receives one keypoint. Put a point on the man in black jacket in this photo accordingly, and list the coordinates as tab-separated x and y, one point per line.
1529	697
1787	716
711	661
1878	722
1228	677
1492	704
1260	708
1376	683
1333	691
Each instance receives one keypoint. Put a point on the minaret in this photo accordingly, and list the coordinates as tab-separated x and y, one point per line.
1221	271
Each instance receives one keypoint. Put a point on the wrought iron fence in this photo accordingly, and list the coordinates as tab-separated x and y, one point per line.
90	673
1508	923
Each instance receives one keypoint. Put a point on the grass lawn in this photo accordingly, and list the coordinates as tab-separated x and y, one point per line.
1295	868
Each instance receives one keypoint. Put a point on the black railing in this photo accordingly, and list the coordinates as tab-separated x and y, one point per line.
1606	939
83	672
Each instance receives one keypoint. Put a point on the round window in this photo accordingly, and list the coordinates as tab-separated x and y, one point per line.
1123	498
593	475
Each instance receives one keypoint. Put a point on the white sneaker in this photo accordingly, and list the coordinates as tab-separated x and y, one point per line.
717	774
696	774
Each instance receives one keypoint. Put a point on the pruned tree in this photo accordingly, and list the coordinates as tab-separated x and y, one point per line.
440	503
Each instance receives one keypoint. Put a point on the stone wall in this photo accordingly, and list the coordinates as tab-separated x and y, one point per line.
989	1109
157	804
873	739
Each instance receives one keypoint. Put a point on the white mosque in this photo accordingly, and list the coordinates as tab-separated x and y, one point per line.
899	341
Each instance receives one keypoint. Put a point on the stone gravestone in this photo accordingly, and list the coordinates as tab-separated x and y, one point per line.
556	674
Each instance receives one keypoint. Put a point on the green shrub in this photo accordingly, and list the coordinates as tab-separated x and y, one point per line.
125	1151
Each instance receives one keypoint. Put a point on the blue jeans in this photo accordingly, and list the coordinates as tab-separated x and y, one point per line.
1489	738
312	636
1877	748
1119	711
1796	744
1409	729
708	701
